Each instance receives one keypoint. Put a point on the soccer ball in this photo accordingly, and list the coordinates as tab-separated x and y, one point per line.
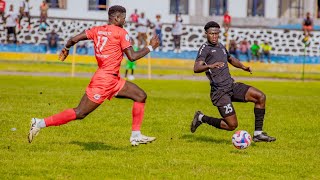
241	139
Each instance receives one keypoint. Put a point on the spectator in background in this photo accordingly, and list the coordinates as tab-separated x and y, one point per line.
25	12
11	21
255	48
177	33
158	29
307	25
82	48
134	16
43	15
226	22
52	38
244	49
131	65
142	29
266	48
233	49
2	9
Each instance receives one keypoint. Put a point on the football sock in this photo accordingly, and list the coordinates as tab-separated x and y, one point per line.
200	117
256	133
61	118
259	116
41	124
212	121
137	115
135	133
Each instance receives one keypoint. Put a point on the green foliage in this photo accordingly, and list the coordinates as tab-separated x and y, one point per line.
98	147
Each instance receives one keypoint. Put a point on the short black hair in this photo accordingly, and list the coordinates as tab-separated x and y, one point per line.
116	8
210	25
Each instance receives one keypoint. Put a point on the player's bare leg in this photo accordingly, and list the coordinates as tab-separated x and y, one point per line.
259	99
132	91
85	107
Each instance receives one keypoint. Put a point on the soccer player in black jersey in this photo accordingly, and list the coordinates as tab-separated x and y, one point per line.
212	59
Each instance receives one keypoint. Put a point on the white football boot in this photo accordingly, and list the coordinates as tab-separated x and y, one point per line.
141	139
34	130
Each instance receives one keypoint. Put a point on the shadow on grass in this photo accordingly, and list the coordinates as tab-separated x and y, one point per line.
194	138
94	146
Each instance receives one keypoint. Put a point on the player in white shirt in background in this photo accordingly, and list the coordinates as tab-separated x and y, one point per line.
11	20
24	12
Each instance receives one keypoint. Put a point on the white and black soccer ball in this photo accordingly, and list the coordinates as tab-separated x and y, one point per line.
241	139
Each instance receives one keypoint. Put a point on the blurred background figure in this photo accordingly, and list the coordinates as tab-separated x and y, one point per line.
233	49
245	49
134	16
2	10
266	49
24	12
177	33
53	39
255	48
307	25
158	29
43	15
226	22
142	28
131	65
82	48
11	20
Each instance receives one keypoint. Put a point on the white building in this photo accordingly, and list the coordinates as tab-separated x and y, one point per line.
243	12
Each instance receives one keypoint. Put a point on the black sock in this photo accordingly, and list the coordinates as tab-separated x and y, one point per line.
259	116
212	121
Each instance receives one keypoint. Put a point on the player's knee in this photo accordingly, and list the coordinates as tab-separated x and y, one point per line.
233	126
262	97
141	97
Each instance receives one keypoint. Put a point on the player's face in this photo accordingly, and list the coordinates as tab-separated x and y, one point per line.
213	35
122	19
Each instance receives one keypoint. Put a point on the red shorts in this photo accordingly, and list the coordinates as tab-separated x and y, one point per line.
104	86
308	28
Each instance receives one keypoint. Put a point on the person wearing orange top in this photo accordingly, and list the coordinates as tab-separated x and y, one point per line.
110	42
226	22
2	9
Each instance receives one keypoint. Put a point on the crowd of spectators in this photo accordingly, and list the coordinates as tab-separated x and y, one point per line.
256	52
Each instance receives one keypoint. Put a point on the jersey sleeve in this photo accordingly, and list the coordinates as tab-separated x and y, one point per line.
124	40
202	53
91	32
228	54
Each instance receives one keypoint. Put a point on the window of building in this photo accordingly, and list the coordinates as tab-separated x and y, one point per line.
218	7
179	6
57	4
292	8
256	7
100	5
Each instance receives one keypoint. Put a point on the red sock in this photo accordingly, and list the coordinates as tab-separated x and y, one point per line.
61	118
137	115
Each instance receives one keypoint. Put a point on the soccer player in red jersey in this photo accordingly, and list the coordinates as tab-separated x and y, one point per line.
110	41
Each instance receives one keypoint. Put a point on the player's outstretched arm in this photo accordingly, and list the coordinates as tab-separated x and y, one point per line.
72	41
201	66
135	55
236	63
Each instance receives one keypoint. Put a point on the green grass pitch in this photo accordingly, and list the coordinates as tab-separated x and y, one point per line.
98	147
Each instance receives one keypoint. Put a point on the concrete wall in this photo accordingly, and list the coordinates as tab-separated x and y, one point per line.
198	11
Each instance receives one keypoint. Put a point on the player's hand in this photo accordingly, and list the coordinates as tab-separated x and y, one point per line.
248	69
154	42
216	65
63	54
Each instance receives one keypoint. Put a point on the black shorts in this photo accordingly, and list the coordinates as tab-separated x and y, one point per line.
223	98
11	30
